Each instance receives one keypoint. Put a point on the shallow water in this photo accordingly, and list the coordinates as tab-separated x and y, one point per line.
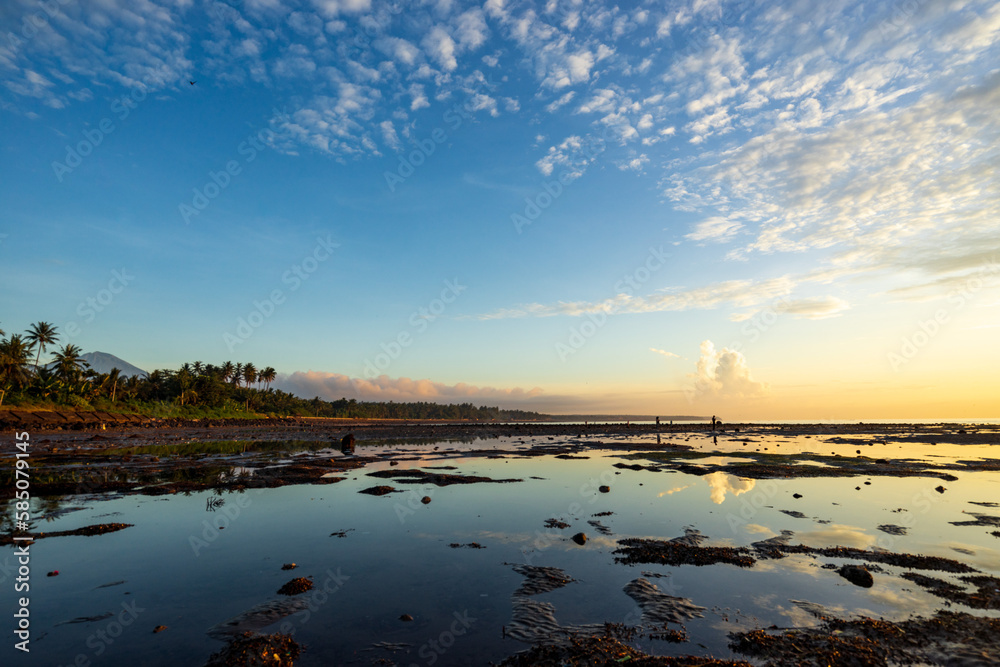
179	570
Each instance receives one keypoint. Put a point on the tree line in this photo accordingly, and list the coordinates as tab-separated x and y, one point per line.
194	389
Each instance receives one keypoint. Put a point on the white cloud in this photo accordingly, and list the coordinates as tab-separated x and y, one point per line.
715	229
725	374
560	102
441	47
737	293
389	135
471	30
400	49
668	355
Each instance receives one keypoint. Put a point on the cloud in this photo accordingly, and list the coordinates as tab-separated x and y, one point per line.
471	30
725	374
716	229
668	355
441	47
333	386
738	293
818	308
389	135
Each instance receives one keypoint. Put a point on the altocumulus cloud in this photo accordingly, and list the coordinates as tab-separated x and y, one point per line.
333	386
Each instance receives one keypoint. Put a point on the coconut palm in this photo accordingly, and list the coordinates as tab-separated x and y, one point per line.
15	356
267	376
249	374
237	375
39	335
227	370
69	365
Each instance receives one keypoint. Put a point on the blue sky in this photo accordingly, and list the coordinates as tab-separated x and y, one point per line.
771	210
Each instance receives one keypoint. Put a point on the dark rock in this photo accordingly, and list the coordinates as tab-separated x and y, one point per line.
604	489
347	444
857	575
580	538
296	586
425	500
379	490
940	489
289	566
406	617
796	495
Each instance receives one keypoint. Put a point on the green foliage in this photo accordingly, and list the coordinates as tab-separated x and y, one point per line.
194	391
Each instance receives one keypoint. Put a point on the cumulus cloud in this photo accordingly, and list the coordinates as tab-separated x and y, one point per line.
724	373
333	386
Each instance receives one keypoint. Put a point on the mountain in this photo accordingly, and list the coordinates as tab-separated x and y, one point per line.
102	362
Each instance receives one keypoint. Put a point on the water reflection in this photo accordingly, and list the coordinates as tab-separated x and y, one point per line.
720	482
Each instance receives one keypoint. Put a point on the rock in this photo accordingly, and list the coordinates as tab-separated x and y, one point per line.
857	575
425	500
53	573
289	566
406	617
347	444
296	586
159	628
940	489
604	489
580	538
796	495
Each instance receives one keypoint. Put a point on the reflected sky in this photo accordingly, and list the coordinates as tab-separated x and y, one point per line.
190	562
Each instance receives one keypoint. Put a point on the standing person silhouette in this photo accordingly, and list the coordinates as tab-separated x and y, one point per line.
713	422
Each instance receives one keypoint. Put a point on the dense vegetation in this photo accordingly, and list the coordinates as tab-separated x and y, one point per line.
194	390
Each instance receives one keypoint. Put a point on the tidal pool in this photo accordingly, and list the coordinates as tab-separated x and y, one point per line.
193	561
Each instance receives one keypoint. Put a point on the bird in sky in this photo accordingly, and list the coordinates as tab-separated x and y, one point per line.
192	82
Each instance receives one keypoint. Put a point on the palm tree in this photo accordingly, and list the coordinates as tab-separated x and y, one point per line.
15	355
227	370
197	368
112	379
267	376
39	335
69	363
249	374
237	375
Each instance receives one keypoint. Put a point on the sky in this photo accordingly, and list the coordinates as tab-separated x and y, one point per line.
761	210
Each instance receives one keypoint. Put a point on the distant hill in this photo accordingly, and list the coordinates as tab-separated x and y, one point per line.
102	362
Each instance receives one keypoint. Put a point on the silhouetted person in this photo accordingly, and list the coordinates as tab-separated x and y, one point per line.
713	422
